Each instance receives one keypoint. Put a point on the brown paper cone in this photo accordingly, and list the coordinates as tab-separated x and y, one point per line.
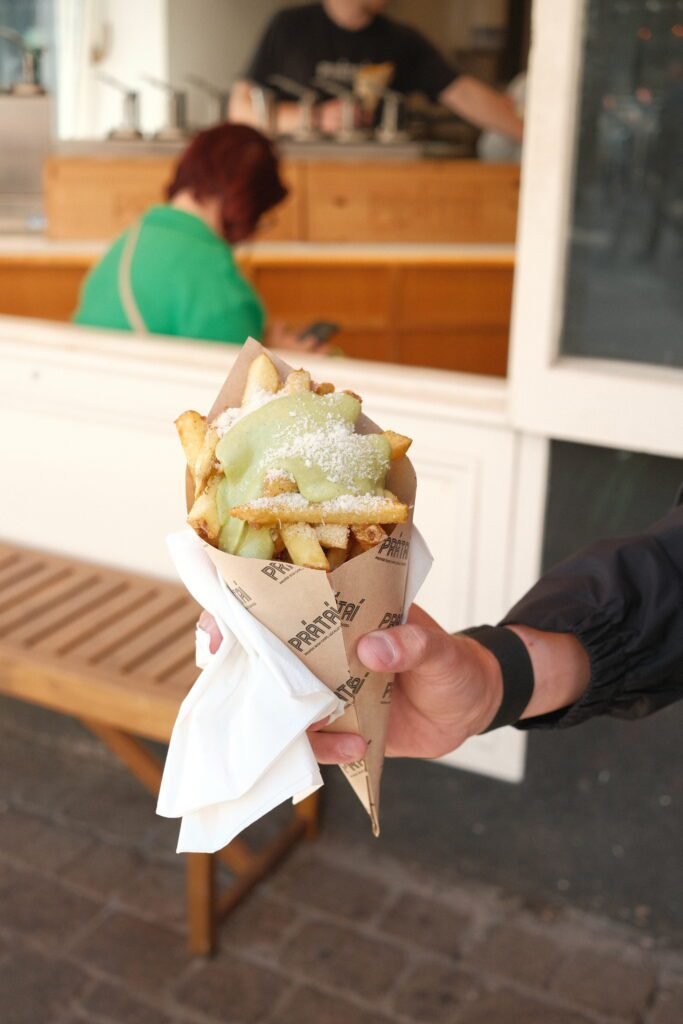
321	616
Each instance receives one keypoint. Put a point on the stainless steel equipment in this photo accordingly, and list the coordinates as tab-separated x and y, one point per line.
265	107
388	132
306	130
176	127
26	121
129	129
349	130
29	84
221	97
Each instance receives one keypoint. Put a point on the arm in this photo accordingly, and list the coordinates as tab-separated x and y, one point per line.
604	631
482	106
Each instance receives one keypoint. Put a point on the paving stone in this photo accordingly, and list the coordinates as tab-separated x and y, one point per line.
40	777
668	1007
117	1004
37	843
141	954
157	890
312	882
338	956
309	1006
33	988
529	958
505	1007
258	924
115	804
434	993
604	982
44	909
232	991
104	869
426	923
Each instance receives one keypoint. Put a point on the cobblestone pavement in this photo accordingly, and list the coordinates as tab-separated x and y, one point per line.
91	924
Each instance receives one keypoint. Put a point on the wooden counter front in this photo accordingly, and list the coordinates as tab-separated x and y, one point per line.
419	201
449	310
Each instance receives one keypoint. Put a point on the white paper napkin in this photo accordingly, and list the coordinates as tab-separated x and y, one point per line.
239	746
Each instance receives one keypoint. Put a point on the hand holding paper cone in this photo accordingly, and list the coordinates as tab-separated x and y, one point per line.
286	478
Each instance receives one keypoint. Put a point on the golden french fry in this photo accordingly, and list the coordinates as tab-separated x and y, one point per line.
324	389
191	429
293	508
261	376
336	557
278	482
368	535
303	546
206	465
278	542
297	380
203	515
399	443
332	535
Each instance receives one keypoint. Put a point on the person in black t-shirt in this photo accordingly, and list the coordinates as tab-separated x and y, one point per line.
334	38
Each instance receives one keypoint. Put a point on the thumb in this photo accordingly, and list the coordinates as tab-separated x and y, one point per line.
405	647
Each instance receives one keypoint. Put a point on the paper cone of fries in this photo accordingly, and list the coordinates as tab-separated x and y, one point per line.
321	616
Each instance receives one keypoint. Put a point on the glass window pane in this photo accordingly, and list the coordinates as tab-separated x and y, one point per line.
625	279
601	492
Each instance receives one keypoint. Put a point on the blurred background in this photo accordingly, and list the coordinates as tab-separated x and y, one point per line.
516	309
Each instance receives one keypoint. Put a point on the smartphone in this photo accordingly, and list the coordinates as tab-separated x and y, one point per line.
321	330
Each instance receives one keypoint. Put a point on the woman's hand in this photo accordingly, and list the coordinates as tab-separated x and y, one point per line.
280	335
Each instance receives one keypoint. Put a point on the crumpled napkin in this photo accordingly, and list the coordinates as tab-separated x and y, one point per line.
239	746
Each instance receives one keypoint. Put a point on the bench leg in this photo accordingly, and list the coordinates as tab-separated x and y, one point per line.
308	811
200	902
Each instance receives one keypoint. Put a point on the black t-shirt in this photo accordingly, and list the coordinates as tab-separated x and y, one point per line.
303	42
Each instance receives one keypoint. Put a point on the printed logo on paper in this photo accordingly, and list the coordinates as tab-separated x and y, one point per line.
393	549
347	609
348	690
317	631
241	594
389	619
281	572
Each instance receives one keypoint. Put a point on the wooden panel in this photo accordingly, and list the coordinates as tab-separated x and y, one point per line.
467	351
412	201
87	198
379	346
447	296
47	289
353	295
97	198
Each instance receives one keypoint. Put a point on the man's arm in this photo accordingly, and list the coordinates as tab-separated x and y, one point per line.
242	111
482	106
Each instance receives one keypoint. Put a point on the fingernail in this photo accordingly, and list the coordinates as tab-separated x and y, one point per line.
379	648
352	749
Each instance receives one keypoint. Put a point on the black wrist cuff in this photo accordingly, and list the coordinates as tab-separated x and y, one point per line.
516	668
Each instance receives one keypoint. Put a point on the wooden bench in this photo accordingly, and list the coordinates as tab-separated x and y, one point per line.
116	650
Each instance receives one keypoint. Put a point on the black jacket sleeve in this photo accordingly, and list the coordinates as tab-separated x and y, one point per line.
623	599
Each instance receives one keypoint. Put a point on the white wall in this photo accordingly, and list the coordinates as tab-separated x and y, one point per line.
123	38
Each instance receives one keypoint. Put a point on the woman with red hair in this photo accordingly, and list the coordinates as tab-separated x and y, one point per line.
173	272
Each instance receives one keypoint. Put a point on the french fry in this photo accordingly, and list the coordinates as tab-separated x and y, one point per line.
336	557
261	376
368	535
324	389
278	543
203	517
332	535
399	443
297	380
303	546
206	465
364	509
191	429
280	482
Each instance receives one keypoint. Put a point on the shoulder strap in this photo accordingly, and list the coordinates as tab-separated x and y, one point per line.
125	281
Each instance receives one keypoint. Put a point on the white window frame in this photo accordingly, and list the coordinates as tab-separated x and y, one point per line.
594	401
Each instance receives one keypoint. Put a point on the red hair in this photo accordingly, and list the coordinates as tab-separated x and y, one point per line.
237	165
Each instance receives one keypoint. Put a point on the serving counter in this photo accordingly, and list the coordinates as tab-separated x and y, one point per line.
445	306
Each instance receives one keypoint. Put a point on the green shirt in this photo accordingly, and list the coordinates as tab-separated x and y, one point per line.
184	281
